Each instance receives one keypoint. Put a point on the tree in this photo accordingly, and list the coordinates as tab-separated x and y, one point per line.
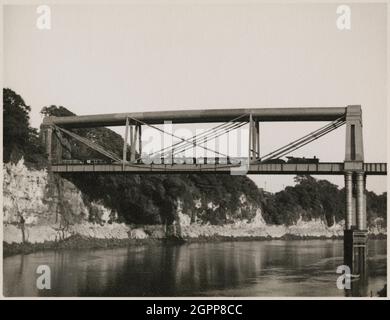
19	139
55	111
15	125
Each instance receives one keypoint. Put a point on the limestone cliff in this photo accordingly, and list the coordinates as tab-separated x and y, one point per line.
40	207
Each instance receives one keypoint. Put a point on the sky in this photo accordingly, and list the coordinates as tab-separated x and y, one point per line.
130	58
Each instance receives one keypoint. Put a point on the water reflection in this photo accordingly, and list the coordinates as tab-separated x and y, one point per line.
247	268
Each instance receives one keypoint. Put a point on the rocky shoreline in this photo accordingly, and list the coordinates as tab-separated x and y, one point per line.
77	242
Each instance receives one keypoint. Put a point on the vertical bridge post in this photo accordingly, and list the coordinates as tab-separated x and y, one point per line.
133	134
46	134
139	139
355	233
49	139
125	139
135	138
254	139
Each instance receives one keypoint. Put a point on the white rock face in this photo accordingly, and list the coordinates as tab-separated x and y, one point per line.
184	219
33	234
258	228
23	193
258	220
12	234
28	194
378	227
315	228
138	233
40	234
97	231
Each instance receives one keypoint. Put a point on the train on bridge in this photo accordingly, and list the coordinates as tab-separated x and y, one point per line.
293	160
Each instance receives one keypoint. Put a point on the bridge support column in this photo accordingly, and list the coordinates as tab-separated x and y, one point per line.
360	202
355	251
348	200
355	233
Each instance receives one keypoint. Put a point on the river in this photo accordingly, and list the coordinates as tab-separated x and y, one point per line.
241	268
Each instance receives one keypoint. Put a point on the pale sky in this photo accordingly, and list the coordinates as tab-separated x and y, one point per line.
129	58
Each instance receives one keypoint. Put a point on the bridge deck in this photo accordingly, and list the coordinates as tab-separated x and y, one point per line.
331	168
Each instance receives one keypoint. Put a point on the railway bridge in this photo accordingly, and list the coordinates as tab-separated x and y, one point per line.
134	161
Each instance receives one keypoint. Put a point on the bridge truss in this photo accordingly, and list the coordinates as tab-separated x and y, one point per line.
133	126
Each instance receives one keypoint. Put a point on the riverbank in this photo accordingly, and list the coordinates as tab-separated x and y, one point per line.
73	242
77	242
25	239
